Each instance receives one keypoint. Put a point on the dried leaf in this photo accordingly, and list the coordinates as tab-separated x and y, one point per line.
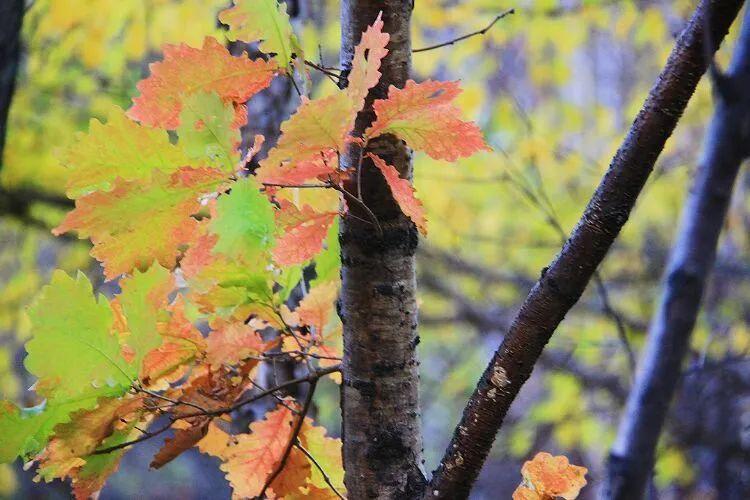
183	440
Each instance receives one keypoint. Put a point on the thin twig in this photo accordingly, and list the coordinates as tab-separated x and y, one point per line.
299	186
292	440
314	376
361	203
175	402
318	466
464	37
146	435
323	70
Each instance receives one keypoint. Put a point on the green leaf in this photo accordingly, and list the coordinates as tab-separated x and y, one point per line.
244	221
265	20
74	348
25	432
207	132
328	262
120	148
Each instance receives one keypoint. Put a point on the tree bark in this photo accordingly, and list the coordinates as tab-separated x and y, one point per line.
11	14
693	256
380	391
562	283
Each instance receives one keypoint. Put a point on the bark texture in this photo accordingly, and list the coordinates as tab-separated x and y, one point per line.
11	14
693	256
380	390
562	283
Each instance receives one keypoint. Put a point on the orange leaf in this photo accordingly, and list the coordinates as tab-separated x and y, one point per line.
422	115
365	72
317	306
186	70
138	222
550	477
302	233
215	441
403	193
229	343
255	456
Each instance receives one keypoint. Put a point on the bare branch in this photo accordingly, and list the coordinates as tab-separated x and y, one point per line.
469	35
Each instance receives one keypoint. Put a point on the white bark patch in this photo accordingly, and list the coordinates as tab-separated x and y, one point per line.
499	377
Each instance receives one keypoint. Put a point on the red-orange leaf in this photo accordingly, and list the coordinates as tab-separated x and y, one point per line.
550	477
302	233
186	70
365	72
321	166
403	193
138	222
422	114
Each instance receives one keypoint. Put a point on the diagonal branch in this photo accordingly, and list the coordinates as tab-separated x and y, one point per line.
562	283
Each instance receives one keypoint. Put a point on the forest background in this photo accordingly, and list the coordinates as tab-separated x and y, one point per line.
554	88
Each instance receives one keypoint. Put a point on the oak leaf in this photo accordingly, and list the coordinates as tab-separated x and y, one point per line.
422	114
186	70
550	477
254	457
319	127
74	349
368	54
136	223
183	440
316	308
182	343
120	148
403	193
264	20
302	233
230	342
209	132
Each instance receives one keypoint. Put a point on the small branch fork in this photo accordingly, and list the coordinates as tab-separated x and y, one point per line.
468	35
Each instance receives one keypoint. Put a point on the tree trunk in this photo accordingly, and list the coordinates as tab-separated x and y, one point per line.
562	283
380	390
692	258
11	14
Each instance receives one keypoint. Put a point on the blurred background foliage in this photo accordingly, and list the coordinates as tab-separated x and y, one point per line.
554	87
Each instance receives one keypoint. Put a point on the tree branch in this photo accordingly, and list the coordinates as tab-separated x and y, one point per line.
562	283
692	259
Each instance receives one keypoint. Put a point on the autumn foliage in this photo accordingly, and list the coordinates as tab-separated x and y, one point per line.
207	254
